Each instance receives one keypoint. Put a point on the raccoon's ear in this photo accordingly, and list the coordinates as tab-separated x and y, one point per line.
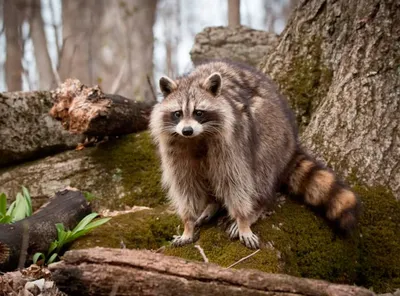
167	85
213	83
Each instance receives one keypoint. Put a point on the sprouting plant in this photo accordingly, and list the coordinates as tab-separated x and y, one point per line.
18	210
67	236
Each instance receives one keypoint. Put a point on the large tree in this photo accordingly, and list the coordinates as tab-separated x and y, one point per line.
339	64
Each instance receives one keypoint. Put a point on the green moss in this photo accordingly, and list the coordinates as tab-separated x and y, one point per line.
306	81
132	160
146	229
379	250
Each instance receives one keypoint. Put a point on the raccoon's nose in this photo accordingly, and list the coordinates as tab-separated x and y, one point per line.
187	131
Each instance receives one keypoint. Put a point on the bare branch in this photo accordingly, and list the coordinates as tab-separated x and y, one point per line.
202	253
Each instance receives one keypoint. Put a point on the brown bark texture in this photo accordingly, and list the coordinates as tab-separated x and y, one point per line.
87	110
21	240
239	43
102	271
27	131
339	63
13	17
233	13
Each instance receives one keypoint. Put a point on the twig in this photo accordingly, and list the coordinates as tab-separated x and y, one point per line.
244	258
151	88
202	253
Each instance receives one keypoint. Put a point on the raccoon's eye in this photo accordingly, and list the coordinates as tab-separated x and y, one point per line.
199	113
177	114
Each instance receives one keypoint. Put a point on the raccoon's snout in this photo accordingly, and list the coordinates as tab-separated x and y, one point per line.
187	131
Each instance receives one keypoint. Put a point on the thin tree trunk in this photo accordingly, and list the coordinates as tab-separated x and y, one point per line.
43	62
14	52
233	12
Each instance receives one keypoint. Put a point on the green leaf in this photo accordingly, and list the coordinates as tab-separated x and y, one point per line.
3	204
11	209
19	212
88	196
28	201
5	219
52	258
37	256
85	221
52	247
96	223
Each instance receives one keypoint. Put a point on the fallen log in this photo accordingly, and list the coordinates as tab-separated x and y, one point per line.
27	131
103	271
21	240
89	111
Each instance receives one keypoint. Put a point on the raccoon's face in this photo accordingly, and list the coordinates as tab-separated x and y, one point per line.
191	110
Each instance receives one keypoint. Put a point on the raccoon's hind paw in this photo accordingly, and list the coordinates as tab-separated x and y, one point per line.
233	231
250	240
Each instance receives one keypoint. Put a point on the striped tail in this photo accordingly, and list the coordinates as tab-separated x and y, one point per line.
319	187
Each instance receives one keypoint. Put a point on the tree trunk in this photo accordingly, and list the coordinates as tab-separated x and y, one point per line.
27	131
104	271
233	13
87	110
47	79
80	20
338	62
110	47
13	66
21	240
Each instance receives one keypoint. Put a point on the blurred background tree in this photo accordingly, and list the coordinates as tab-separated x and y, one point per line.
117	44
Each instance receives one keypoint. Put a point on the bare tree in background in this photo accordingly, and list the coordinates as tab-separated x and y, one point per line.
233	12
109	43
43	62
282	12
14	49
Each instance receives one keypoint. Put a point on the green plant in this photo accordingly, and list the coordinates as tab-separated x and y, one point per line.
18	210
66	236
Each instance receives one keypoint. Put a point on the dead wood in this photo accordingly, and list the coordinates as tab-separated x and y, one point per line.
102	271
89	111
21	240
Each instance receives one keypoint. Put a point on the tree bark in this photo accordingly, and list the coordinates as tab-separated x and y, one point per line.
21	240
13	65
102	271
87	110
233	13
47	79
338	62
27	131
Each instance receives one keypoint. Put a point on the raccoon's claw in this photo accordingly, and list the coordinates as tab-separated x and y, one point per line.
250	240
181	240
233	231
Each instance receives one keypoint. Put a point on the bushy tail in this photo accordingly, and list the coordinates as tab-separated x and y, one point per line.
319	187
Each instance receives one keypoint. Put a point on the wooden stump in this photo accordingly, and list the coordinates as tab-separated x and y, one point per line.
103	271
20	240
87	110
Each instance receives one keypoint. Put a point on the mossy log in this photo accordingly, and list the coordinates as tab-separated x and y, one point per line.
89	111
103	271
21	240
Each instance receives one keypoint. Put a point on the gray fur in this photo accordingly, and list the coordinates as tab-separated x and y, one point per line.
238	160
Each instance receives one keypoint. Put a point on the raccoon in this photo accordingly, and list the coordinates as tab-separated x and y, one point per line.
228	139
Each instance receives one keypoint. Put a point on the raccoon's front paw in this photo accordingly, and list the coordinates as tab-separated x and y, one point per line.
233	231
181	240
250	240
